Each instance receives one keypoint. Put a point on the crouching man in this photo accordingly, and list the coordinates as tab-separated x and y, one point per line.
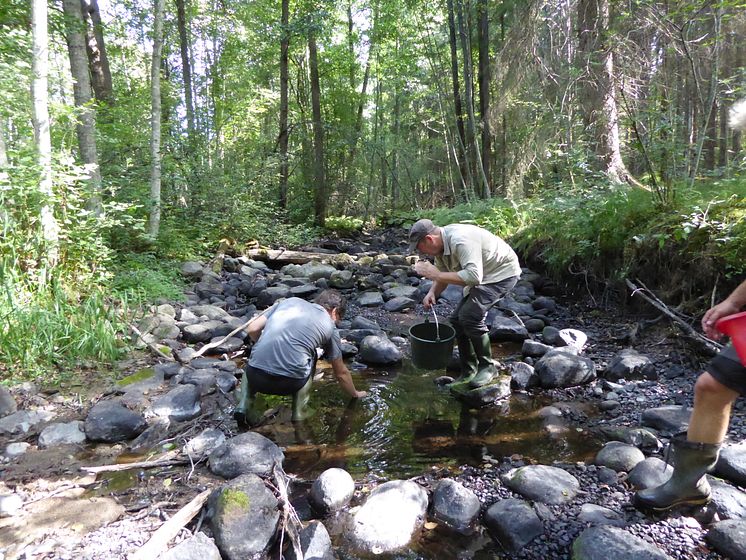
283	359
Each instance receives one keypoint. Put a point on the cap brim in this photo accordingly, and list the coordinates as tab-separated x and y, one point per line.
413	246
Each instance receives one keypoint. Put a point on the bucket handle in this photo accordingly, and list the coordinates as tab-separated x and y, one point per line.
437	327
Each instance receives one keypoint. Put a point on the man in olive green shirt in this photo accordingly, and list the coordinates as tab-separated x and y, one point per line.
487	267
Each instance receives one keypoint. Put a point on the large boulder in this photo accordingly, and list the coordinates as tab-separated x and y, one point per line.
110	421
249	452
541	483
558	368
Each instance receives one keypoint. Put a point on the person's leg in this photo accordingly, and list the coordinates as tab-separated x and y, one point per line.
244	413
695	454
300	401
466	355
472	317
712	404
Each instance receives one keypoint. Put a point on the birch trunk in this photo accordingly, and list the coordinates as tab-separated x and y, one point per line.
154	223
40	95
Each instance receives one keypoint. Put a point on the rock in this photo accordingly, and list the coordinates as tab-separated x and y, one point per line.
315	543
514	523
198	547
204	378
732	464
211	312
249	452
245	518
203	444
612	543
342	279
522	376
61	434
370	299
388	519
534	349
179	404
619	456
110	421
649	473
558	368
729	502
22	421
573	338
729	538
399	304
7	402
541	483
332	490
533	325
670	419
498	388
455	506
378	350
509	304
170	369
271	295
361	322
406	292
503	329
10	505
201	332
544	303
598	515
630	364
17	449
551	336
192	270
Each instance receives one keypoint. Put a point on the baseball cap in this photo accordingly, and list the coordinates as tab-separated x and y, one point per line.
420	229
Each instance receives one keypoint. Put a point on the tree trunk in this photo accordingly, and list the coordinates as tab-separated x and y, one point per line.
86	127
40	97
461	141
318	134
598	89
186	66
284	110
710	142
155	122
484	85
471	144
96	50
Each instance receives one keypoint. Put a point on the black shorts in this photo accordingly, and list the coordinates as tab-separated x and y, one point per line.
727	368
261	381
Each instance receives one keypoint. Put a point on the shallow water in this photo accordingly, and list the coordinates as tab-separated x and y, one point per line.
407	424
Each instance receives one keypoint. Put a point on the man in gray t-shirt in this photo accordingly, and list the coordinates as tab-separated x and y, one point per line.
283	359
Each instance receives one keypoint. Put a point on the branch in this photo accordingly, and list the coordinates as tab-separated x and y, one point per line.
167	459
153	348
159	540
663	308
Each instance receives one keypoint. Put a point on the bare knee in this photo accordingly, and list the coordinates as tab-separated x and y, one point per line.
707	387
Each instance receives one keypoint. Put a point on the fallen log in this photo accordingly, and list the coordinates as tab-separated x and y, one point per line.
165	460
160	539
284	256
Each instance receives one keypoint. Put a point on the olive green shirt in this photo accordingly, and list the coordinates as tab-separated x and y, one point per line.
476	255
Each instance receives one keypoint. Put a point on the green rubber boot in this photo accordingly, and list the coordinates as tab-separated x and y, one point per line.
244	412
485	365
467	360
301	410
688	485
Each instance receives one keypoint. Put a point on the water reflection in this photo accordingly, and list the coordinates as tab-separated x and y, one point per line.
407	423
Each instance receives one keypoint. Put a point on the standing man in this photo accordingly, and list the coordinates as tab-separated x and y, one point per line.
487	267
696	452
283	359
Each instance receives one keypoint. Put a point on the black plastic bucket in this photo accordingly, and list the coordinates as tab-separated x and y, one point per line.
431	347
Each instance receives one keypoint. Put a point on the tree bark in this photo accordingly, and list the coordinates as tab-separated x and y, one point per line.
283	140
86	127
471	144
318	133
154	223
186	67
43	139
96	51
598	97
457	106
483	38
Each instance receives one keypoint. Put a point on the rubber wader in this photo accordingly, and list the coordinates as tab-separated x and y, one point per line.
688	484
244	413
485	365
301	411
467	360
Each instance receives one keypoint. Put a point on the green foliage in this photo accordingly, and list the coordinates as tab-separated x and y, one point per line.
344	225
142	278
42	330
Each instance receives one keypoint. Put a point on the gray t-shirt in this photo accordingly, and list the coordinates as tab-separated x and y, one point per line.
295	328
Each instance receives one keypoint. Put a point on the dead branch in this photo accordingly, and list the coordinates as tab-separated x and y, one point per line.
153	348
165	460
648	296
159	540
